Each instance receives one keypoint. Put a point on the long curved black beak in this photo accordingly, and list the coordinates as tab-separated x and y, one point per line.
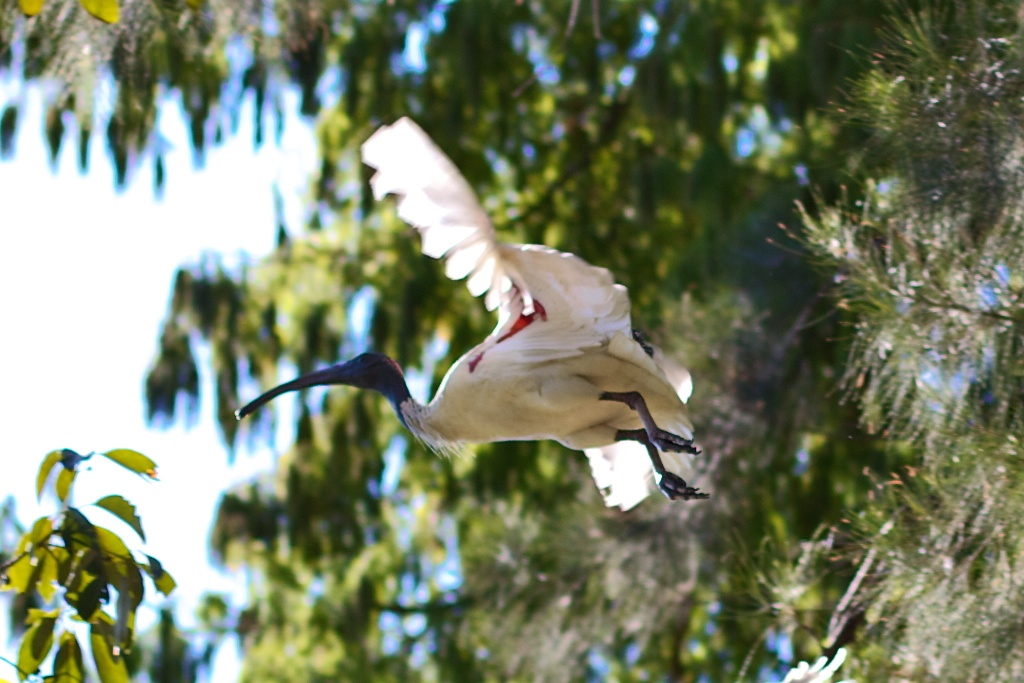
341	373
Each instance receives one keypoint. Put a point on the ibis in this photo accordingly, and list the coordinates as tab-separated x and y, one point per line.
563	362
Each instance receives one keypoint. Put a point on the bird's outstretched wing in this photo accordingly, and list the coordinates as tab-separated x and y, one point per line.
579	304
435	199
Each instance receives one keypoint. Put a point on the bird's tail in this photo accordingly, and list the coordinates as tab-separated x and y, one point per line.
624	474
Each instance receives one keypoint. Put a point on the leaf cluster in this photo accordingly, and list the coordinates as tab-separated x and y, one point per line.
72	566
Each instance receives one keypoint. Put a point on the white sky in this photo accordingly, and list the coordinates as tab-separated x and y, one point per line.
85	274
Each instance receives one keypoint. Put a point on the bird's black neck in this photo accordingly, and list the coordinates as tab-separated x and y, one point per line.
389	380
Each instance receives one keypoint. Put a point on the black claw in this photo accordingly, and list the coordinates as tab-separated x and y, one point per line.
674	487
672	443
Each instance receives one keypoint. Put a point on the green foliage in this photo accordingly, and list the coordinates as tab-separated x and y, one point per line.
930	262
665	142
68	552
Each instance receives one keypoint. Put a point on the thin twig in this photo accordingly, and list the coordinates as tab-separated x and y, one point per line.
11	561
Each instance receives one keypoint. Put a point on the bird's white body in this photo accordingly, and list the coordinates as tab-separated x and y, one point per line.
563	338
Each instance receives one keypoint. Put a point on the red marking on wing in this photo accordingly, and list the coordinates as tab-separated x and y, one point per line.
525	320
518	326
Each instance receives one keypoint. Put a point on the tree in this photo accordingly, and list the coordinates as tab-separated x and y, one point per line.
930	261
665	141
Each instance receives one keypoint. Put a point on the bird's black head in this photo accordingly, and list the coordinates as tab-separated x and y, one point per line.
366	371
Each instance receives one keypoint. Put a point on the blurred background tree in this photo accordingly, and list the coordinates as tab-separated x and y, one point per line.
666	141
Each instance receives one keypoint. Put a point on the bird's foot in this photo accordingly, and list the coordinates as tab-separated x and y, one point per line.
674	487
673	443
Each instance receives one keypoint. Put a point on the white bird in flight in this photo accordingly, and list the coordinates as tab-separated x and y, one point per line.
563	362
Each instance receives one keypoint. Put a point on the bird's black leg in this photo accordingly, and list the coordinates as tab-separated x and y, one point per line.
658	437
670	483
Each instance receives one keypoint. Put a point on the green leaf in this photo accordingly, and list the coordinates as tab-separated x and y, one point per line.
49	568
31	7
89	599
40	533
125	618
113	547
35	646
42	641
133	460
23	574
194	4
51	459
83	547
19	574
36	615
104	10
124	510
161	579
110	667
67	667
64	481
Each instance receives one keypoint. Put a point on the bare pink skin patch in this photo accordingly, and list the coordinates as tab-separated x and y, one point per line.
518	326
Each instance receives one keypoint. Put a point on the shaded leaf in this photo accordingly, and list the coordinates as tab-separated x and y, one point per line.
70	458
8	126
67	667
51	459
111	668
89	598
104	10
42	641
35	645
133	460
125	618
124	510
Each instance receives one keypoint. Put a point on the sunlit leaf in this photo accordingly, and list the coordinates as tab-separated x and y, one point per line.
51	459
22	573
113	546
40	533
161	579
104	10
111	668
124	510
36	615
31	7
49	569
133	460
64	481
67	667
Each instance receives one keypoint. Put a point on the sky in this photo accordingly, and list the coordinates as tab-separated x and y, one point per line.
85	276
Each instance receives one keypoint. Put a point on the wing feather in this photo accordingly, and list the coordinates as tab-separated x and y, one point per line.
435	199
582	305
